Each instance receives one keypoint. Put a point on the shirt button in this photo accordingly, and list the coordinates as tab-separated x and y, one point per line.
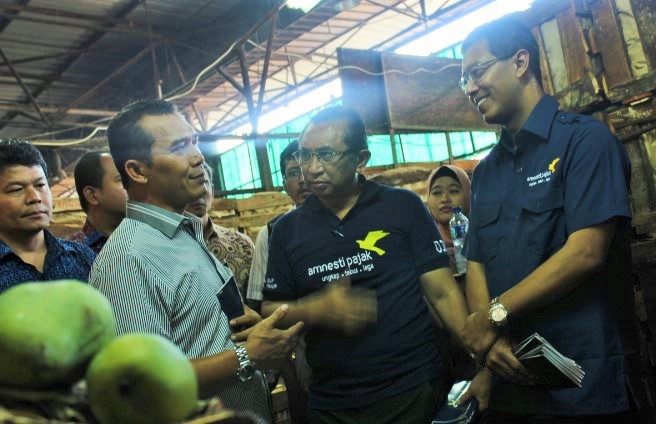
519	170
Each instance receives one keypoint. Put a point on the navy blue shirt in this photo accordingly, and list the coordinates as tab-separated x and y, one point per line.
568	173
64	260
385	242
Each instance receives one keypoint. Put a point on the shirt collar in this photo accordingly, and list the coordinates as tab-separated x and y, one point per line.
212	229
91	235
4	249
537	126
369	189
161	219
52	245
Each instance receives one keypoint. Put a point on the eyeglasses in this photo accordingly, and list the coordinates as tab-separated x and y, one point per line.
475	73
324	156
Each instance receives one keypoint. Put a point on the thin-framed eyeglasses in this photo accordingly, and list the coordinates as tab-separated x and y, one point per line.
475	73
323	156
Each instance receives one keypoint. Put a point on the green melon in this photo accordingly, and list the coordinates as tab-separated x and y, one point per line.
49	331
139	379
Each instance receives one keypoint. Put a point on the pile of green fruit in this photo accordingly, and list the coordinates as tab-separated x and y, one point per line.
53	334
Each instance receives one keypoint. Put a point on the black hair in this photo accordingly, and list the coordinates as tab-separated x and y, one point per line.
286	155
505	36
20	152
356	133
127	140
88	172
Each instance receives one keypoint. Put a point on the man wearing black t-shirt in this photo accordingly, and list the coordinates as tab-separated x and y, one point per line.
358	257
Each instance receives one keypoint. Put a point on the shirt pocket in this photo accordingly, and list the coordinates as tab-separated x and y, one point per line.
488	229
543	221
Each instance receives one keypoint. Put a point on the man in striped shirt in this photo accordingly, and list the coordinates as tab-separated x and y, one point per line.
158	273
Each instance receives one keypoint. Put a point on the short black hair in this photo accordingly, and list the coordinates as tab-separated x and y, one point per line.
286	155
88	172
127	140
505	36
20	152
356	133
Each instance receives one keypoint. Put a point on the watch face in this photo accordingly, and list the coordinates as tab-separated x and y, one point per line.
498	314
246	373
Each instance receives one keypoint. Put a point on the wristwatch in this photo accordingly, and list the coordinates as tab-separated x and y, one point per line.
498	313
246	370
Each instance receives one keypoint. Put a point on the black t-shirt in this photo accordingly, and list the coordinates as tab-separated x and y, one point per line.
385	242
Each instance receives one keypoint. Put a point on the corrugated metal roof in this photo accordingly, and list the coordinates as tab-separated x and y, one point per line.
62	49
95	55
312	53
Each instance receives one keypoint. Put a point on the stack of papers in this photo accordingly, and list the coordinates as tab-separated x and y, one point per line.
552	368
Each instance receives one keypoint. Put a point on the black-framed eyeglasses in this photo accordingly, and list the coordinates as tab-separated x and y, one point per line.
323	156
475	73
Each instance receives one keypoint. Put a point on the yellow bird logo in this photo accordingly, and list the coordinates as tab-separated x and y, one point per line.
369	242
552	165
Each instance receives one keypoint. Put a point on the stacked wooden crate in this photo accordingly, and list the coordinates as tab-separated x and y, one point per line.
67	216
249	215
413	176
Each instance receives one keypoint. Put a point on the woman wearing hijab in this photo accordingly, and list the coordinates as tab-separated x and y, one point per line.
448	186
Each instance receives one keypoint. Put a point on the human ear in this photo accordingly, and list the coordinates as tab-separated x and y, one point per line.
89	194
522	60
137	171
363	158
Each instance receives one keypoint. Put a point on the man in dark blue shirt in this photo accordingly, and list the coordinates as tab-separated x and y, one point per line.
548	227
370	344
28	252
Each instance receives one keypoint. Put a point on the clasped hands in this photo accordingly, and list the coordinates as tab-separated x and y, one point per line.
493	348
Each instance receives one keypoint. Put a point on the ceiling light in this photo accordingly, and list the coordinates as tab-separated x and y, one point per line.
346	5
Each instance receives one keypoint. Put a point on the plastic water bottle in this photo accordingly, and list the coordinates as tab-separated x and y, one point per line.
459	224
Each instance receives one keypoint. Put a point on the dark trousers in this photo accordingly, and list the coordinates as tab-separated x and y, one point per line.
416	406
495	417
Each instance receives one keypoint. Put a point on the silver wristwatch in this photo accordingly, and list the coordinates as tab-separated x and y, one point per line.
246	370
498	314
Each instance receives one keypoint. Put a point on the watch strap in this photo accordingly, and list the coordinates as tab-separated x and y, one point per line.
245	366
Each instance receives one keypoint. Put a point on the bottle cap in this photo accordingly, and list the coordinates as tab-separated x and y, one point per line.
456	209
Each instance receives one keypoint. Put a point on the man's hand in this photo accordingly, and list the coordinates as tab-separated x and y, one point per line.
503	362
267	346
344	308
479	334
480	389
244	324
